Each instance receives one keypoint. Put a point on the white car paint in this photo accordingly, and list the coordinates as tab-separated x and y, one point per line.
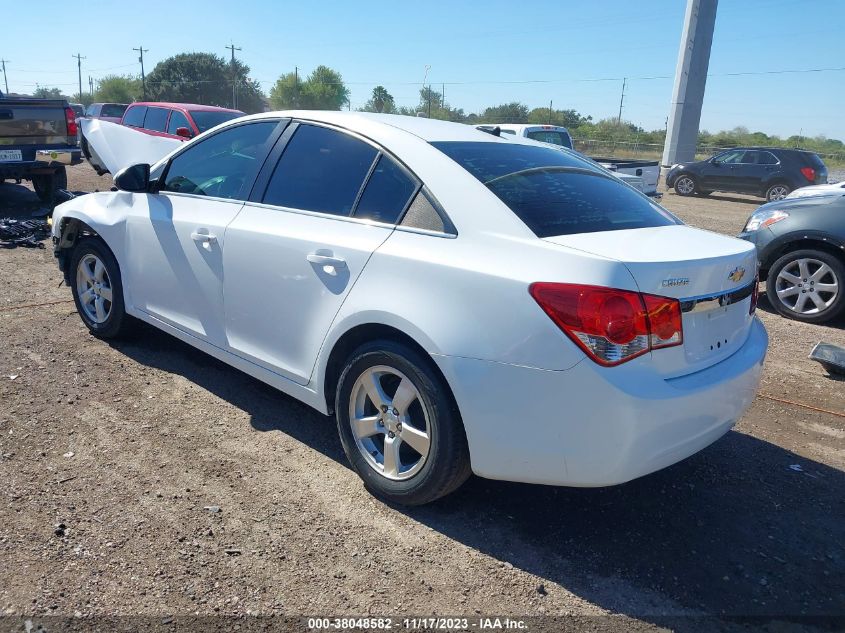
818	190
535	408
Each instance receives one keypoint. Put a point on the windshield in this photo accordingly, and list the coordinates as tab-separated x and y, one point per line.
554	137
115	110
554	192
207	119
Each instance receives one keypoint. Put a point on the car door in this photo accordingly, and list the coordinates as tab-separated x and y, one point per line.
749	173
720	173
298	246
175	237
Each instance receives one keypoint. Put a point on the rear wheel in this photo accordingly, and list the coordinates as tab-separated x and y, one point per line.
807	285
398	426
42	184
97	289
685	186
777	191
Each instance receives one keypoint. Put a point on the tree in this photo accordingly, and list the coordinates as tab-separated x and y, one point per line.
513	112
323	89
41	92
118	89
380	101
434	106
567	118
86	98
204	78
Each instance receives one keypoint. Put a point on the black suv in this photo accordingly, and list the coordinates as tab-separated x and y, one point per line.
769	172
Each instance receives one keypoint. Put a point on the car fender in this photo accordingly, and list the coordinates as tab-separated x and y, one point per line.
777	245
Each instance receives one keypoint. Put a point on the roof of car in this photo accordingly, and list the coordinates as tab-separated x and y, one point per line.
427	129
184	106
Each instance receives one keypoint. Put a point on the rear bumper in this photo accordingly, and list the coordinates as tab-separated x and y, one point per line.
597	426
46	162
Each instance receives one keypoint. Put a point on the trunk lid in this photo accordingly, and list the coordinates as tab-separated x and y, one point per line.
710	274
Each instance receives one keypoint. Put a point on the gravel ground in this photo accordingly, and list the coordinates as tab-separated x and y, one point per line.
145	478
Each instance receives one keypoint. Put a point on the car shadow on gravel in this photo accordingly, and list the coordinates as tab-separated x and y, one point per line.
744	528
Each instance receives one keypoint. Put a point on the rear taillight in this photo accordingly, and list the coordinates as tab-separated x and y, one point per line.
809	173
70	116
755	293
611	326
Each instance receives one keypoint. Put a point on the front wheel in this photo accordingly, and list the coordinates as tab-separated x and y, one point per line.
777	191
97	289
685	186
807	285
398	426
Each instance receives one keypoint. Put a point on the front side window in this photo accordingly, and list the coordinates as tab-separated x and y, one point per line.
320	170
156	119
556	193
732	157
387	192
554	137
222	166
177	120
135	116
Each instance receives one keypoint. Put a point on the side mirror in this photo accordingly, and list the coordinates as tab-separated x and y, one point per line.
135	178
183	132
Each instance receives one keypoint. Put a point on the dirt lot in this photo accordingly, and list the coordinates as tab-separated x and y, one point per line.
128	445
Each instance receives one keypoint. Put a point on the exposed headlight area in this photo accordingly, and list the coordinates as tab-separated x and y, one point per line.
762	218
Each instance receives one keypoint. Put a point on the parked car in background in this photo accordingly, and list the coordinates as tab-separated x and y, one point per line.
552	134
176	120
78	110
37	141
819	190
801	249
769	172
435	288
106	111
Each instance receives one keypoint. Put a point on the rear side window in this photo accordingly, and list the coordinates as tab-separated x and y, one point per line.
156	119
177	120
320	170
555	193
387	192
135	116
767	158
113	110
554	137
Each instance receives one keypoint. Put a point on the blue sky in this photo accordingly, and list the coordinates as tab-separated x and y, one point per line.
485	53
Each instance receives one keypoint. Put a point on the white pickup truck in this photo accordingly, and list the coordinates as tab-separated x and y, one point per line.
647	170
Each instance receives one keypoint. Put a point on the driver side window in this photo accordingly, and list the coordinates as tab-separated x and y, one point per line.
222	166
731	158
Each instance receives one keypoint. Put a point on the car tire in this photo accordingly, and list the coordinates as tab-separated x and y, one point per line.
41	184
685	185
777	191
413	464
792	282
97	289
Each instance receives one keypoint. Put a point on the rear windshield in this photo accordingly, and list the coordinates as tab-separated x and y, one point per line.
554	192
554	137
207	119
113	109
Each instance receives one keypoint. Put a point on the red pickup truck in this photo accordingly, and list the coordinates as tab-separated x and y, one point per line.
176	120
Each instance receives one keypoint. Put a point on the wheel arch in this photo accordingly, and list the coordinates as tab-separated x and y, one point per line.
800	241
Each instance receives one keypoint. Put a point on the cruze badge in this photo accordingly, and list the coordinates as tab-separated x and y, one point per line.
675	281
737	274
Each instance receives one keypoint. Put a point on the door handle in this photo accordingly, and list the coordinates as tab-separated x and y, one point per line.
325	258
205	238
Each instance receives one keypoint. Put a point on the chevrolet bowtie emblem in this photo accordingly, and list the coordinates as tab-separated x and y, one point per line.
737	274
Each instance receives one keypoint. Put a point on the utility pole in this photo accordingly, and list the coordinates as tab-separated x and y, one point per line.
621	101
142	50
443	95
5	80
428	92
90	85
550	111
690	80
234	48
296	86
79	59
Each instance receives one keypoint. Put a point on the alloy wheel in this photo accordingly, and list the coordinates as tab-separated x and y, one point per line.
685	185
94	288
389	422
807	286
778	192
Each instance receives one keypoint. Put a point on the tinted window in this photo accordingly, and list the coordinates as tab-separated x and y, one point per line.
507	132
207	119
751	157
387	192
421	214
816	161
551	136
731	157
767	158
115	110
177	120
555	193
320	170
223	165
135	116
156	119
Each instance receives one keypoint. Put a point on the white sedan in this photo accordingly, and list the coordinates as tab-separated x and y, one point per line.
819	190
460	303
